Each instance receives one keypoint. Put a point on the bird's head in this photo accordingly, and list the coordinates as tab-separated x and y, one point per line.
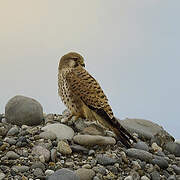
71	60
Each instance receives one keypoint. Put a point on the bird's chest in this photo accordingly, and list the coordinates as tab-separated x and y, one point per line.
69	98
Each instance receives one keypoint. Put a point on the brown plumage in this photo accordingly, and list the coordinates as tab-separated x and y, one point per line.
83	96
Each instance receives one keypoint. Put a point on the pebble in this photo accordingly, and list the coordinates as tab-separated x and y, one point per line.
105	160
96	178
91	140
63	174
91	152
155	175
38	172
13	131
85	174
173	148
12	155
156	148
139	154
94	129
3	131
64	148
141	145
113	169
176	169
172	177
38	165
79	148
2	176
161	162
61	130
48	135
21	169
136	165
49	172
128	178
54	155
41	151
100	169
86	166
10	141
144	178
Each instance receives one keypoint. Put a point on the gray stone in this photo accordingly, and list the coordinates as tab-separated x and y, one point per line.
24	110
21	169
54	155
38	172
141	145
48	135
91	152
144	178
78	148
176	169
160	161
173	148
96	178
128	178
49	172
10	141
172	177
61	130
85	174
38	165
135	175
155	175
13	131
105	160
91	140
41	151
63	174
113	169
2	176
94	129
139	154
144	128
12	155
100	170
3	131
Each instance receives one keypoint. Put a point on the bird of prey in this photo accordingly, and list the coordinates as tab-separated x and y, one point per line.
83	96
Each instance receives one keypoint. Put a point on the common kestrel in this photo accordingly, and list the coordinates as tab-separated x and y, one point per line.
83	96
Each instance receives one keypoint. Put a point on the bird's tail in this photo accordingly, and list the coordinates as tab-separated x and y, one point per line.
113	124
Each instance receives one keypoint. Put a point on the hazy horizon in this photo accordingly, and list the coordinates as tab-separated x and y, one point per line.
130	47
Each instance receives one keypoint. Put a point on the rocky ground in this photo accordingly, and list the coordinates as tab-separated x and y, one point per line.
34	145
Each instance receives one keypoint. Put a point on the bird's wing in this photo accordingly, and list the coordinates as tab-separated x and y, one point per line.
82	84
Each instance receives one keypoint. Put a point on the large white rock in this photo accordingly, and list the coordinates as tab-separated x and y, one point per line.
62	131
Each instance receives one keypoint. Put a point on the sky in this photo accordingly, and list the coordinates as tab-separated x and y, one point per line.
130	47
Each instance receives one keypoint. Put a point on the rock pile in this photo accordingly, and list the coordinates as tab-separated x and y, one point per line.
56	149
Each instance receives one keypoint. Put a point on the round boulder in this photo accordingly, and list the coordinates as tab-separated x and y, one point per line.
22	110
